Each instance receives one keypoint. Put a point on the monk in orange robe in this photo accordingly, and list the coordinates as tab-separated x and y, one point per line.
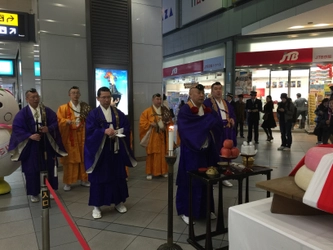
71	122
154	122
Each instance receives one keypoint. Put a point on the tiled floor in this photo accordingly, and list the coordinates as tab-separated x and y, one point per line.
144	226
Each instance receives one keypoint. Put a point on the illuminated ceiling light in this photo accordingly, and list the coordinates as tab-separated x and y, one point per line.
50	20
314	34
59	5
296	27
293	36
76	34
320	25
36	45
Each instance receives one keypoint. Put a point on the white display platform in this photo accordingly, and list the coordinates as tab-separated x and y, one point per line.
253	227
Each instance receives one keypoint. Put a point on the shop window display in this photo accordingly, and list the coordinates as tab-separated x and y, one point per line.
274	82
320	82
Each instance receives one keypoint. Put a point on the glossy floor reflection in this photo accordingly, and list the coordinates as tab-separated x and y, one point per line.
144	226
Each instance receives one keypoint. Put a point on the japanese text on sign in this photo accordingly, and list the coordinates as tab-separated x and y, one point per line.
9	19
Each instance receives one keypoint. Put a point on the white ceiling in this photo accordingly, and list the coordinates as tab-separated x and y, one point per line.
8	49
274	24
283	21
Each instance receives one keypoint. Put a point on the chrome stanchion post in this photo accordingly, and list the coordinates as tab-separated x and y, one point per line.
45	212
170	159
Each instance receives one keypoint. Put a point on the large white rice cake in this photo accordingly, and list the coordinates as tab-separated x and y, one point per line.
303	177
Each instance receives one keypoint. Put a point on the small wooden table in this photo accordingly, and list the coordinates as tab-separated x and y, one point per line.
210	181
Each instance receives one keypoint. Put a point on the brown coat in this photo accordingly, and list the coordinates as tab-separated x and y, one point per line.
240	111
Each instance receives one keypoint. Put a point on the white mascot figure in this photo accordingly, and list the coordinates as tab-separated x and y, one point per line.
8	109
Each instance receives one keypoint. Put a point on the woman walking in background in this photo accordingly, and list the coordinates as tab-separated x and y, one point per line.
269	121
327	124
321	118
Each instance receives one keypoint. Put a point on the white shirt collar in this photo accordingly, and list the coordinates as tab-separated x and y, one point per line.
201	110
77	107
157	110
33	111
107	113
221	108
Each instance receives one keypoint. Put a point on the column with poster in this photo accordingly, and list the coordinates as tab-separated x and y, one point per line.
117	81
243	83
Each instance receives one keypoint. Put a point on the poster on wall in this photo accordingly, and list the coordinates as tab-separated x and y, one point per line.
117	81
243	83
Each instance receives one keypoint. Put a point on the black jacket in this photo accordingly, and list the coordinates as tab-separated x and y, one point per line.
257	105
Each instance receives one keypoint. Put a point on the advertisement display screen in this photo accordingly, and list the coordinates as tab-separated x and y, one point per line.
37	68
7	68
117	81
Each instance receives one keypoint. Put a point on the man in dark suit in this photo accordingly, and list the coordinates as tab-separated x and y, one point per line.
240	112
253	108
230	100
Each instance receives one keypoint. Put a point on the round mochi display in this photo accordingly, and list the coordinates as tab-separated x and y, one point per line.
303	177
314	155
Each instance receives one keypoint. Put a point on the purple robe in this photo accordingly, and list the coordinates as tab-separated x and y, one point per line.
106	169
228	132
193	131
31	153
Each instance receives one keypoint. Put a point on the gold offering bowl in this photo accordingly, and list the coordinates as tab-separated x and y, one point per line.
212	171
223	164
248	161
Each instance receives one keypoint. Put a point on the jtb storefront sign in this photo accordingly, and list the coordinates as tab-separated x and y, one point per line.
274	57
183	69
208	65
293	56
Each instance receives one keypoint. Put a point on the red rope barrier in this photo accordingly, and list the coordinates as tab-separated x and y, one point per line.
69	220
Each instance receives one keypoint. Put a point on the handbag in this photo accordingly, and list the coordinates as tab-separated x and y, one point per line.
145	140
265	117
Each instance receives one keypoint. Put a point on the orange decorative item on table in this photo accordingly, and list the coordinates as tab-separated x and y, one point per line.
234	152
202	170
228	144
225	152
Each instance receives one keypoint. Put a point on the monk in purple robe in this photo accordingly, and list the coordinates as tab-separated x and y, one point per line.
106	153
36	142
197	150
226	119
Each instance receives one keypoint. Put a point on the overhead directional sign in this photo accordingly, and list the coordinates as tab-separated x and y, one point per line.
12	31
9	19
3	30
16	26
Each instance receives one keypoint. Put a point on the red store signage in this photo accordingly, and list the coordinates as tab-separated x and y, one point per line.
274	57
183	69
